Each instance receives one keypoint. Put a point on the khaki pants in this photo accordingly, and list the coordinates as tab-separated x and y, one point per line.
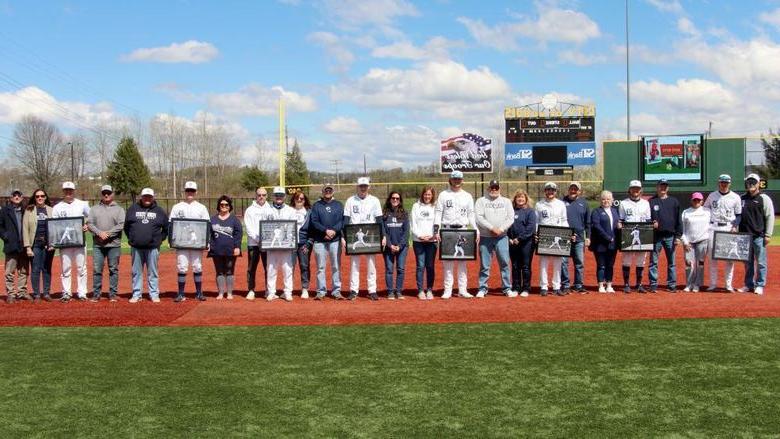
17	263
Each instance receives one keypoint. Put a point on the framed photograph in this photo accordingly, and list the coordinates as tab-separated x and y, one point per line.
729	246
65	232
278	235
189	234
676	157
637	237
554	241
458	245
363	239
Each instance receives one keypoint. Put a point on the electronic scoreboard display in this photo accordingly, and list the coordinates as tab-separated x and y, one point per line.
550	129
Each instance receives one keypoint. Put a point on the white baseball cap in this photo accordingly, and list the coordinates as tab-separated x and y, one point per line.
456	174
576	184
753	176
191	185
551	185
147	191
363	181
106	187
278	190
635	183
68	185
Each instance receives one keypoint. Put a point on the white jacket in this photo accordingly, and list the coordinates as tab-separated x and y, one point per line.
252	217
695	225
73	209
421	220
362	210
185	210
551	213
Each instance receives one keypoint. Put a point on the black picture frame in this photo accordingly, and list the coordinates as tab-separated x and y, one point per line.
454	241
646	237
548	245
728	246
66	232
278	235
189	234
369	243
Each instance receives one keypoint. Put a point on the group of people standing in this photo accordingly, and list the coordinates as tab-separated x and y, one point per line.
504	228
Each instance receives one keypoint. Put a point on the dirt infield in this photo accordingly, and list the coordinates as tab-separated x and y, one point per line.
494	308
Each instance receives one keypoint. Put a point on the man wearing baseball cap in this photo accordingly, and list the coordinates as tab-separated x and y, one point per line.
189	209
326	221
494	216
578	216
725	207
17	261
146	227
634	209
455	210
279	258
106	221
551	212
758	219
70	206
362	208
665	214
259	210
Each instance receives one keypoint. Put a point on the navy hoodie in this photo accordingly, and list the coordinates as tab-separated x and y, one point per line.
326	216
146	227
524	226
396	228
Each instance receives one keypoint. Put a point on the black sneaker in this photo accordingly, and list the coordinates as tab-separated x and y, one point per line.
653	290
320	295
581	289
672	288
559	293
201	298
373	296
337	295
352	295
565	291
46	298
627	289
179	299
65	299
640	289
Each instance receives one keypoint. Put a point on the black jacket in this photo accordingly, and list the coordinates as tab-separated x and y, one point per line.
10	230
146	227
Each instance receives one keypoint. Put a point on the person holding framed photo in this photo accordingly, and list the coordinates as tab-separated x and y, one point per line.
726	209
302	256
551	212
604	236
279	258
695	238
70	206
521	242
634	209
665	214
362	208
225	246
17	261
395	224
424	241
146	227
189	208
455	210
494	216
758	219
106	222
258	211
325	225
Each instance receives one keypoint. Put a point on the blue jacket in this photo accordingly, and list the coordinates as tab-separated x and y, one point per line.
326	216
667	212
396	229
225	236
146	227
578	215
524	226
603	237
11	229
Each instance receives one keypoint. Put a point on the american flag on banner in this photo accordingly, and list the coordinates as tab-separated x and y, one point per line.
476	138
467	152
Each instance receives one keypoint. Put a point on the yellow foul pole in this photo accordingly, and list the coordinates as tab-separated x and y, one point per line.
282	146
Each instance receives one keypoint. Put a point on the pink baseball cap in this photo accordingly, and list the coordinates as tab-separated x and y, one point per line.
697	196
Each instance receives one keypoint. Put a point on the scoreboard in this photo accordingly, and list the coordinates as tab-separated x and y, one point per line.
551	129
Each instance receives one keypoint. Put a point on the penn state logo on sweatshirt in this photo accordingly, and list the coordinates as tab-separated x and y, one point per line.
145	217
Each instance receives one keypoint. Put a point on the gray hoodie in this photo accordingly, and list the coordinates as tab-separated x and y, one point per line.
110	219
494	213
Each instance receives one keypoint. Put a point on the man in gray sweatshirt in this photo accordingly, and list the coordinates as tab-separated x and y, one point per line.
494	215
106	221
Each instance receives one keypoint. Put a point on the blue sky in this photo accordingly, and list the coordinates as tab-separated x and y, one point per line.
389	77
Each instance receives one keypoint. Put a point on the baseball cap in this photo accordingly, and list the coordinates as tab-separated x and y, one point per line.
456	174
551	185
662	181
106	188
327	186
725	177
493	183
697	196
191	185
147	191
68	185
363	181
635	183
16	191
753	176
278	190
577	184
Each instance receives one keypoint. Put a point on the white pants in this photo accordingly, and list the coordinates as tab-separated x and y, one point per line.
463	276
556	272
354	273
712	264
635	258
68	255
276	259
185	258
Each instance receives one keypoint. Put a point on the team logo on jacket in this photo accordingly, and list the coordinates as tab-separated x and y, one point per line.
355	209
394	220
327	209
545	214
448	203
629	212
656	208
517	216
180	214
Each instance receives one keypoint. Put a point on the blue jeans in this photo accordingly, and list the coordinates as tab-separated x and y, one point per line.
395	262
668	244
425	254
302	256
522	256
578	255
99	254
41	267
605	265
324	251
148	257
488	245
757	257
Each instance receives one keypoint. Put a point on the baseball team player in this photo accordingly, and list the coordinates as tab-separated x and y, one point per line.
725	208
72	207
551	212
279	258
362	208
189	209
634	209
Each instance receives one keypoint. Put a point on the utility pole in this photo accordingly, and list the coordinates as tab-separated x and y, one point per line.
364	165
336	163
628	84
72	163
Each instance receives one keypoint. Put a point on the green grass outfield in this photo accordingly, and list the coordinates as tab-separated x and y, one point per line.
685	378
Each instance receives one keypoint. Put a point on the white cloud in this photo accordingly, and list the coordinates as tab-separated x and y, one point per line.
437	48
772	17
34	101
343	125
737	62
257	100
645	54
191	51
581	59
378	14
672	6
212	122
341	57
684	95
687	27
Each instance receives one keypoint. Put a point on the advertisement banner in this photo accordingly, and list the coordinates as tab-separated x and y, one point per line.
550	153
467	153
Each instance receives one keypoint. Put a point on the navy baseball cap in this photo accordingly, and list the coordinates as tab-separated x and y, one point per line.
663	181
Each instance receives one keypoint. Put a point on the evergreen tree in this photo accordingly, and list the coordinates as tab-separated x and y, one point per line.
772	155
128	173
252	178
296	172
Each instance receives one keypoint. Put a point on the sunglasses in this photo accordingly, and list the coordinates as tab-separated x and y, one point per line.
395	198
224	204
40	196
262	195
105	194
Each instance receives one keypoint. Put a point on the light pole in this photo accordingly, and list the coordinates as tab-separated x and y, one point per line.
628	84
72	163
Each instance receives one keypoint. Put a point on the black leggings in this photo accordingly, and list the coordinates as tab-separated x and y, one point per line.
522	255
224	265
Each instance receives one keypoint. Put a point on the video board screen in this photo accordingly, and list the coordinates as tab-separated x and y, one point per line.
675	157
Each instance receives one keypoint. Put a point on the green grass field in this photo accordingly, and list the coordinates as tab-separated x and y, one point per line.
686	378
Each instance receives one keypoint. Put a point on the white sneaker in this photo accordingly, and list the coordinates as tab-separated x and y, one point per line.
743	290
304	294
465	295
511	294
480	294
429	295
687	289
602	288
695	289
759	290
446	295
729	288
219	296
609	288
524	294
271	296
288	296
421	295
134	299
156	299
250	295
230	296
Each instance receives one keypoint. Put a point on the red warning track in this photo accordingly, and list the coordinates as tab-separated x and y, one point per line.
494	308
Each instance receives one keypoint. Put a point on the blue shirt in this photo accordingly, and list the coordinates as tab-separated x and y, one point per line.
524	225
396	228
225	235
578	215
326	216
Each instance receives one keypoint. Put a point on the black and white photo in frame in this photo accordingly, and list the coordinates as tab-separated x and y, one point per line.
729	246
363	239
637	237
458	245
189	234
65	232
278	235
553	240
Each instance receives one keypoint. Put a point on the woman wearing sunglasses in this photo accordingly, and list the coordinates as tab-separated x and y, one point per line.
300	203
225	245
396	229
36	243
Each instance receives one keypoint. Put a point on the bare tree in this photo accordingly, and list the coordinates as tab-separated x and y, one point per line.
264	155
38	147
80	165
